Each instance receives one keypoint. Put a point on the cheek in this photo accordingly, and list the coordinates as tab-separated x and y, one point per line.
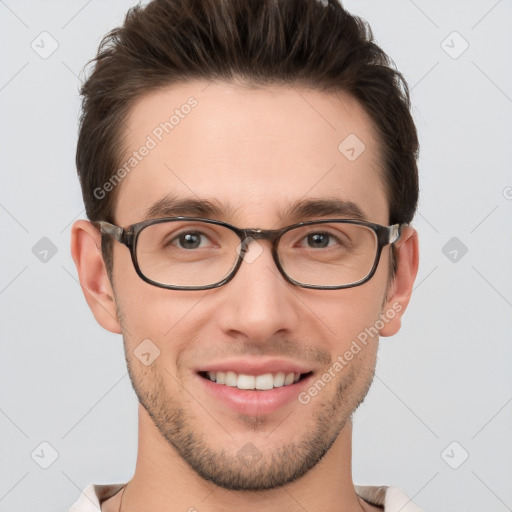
156	319
144	307
346	313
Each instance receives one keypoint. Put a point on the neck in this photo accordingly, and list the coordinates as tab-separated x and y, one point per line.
163	481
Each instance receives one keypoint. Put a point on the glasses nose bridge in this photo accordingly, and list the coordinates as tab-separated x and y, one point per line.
260	234
249	235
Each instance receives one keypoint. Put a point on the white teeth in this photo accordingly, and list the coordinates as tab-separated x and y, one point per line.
261	382
245	381
279	379
265	381
231	379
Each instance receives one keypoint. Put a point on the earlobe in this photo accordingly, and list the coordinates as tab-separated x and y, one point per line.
399	293
86	253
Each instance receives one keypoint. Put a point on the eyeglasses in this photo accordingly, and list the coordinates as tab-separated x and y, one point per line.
188	253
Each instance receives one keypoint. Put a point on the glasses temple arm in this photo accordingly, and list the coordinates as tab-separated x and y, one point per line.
110	229
395	232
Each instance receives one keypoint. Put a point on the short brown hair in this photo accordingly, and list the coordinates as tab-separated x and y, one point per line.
314	43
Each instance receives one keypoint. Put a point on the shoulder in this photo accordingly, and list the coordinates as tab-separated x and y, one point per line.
391	498
94	495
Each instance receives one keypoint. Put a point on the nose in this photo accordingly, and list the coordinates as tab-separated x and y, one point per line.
258	303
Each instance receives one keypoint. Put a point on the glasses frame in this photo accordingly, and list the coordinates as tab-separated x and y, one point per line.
129	235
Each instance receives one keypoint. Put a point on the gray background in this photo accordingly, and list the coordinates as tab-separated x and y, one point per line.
443	389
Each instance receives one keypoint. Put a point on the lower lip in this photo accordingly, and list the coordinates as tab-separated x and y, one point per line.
255	402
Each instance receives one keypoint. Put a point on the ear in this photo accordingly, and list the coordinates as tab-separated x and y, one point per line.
400	289
92	273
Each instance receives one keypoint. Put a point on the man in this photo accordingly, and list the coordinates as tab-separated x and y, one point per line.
249	174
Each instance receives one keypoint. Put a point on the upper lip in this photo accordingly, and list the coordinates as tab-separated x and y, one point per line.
254	366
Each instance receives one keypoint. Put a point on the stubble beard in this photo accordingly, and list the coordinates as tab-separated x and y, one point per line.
248	468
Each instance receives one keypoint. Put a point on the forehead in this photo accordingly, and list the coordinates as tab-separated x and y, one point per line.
251	151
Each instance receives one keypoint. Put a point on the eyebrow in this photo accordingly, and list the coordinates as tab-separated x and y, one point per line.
173	206
324	207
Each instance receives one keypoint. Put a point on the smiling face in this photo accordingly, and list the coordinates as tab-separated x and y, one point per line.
250	157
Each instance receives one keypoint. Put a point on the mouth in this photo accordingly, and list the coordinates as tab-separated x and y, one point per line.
261	382
255	393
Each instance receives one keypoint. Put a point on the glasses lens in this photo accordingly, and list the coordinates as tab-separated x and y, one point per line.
187	253
328	254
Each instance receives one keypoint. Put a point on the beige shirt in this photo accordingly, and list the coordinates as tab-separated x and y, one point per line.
391	498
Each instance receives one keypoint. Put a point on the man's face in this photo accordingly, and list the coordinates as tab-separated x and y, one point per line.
253	152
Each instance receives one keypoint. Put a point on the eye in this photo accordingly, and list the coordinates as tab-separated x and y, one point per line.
189	240
320	240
